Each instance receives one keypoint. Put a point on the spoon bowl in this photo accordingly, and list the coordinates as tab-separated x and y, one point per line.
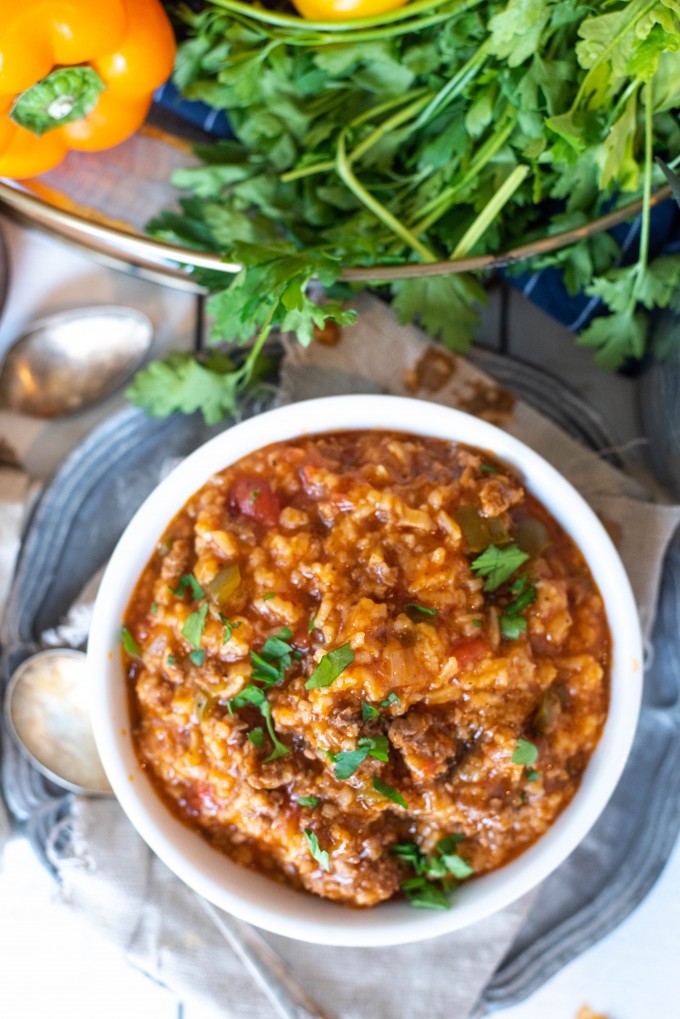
47	714
68	361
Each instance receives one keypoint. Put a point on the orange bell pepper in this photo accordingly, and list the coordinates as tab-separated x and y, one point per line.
76	75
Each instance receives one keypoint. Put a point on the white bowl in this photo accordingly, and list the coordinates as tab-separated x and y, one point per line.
251	896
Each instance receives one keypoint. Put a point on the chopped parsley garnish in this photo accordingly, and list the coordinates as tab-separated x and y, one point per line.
320	855
312	624
532	775
197	657
489	468
512	621
368	711
435	876
171	659
195	625
308	801
330	667
389	700
256	736
421	608
129	642
254	494
347	761
188	582
477	623
268	595
525	753
274	658
229	628
153	608
255	695
498	564
389	792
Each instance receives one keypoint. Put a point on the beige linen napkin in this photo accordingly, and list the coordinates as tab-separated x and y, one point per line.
107	871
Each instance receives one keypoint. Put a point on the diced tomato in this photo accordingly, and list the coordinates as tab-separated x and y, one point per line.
470	650
254	498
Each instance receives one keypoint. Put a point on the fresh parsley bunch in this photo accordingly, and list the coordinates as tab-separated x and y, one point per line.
443	129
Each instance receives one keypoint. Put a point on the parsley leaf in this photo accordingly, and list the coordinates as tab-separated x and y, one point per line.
387	790
308	801
330	667
391	698
320	855
195	625
129	642
256	736
197	657
254	695
422	608
498	564
347	761
525	753
188	582
368	711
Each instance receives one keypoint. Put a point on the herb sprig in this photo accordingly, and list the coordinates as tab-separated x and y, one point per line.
436	876
441	129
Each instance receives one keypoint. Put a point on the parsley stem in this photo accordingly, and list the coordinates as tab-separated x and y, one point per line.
245	372
351	27
348	177
436	208
646	178
483	221
454	86
396	120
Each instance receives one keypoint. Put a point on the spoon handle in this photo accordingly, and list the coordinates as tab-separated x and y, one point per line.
269	971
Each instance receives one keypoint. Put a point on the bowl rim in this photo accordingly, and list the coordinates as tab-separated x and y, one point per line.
251	896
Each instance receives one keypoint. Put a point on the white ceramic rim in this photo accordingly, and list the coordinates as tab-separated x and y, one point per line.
247	894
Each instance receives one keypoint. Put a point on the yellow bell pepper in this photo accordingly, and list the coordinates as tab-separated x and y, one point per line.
344	10
76	75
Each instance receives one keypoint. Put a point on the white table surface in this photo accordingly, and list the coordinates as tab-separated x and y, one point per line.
53	963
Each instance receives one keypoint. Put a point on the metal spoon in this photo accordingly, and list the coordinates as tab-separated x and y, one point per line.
65	362
47	715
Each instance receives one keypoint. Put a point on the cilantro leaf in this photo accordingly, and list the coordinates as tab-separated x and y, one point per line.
368	711
320	855
498	564
330	667
195	625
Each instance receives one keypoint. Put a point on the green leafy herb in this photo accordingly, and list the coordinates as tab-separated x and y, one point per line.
330	667
171	660
391	698
153	608
498	564
347	761
129	642
388	791
525	753
512	622
195	625
197	657
488	468
188	582
229	628
440	127
320	855
308	801
269	595
312	622
254	494
436	875
477	623
532	775
368	711
254	695
421	608
256	736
